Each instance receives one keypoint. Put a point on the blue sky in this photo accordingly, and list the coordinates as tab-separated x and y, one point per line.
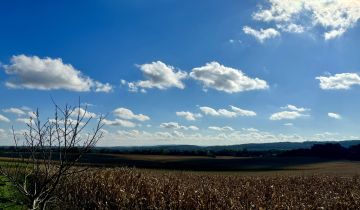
186	72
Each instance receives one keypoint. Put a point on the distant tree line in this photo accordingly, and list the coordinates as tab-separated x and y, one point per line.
197	152
328	150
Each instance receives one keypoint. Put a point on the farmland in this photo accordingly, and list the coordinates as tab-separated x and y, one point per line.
127	188
145	182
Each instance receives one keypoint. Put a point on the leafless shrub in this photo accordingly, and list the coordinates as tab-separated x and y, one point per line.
48	151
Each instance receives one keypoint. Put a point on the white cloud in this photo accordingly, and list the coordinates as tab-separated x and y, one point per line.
209	111
136	137
225	128
158	75
243	112
100	87
119	122
23	120
32	72
335	17
175	125
129	134
288	115
82	112
132	86
292	112
193	128
189	115
32	115
4	119
292	28
262	34
334	115
331	136
226	113
16	111
222	78
170	125
339	81
236	112
294	108
104	131
70	121
334	33
129	115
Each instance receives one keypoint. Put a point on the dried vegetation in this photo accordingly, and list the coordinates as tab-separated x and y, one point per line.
124	188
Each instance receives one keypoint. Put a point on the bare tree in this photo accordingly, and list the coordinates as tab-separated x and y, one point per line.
48	153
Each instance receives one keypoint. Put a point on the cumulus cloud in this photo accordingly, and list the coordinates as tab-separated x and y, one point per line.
189	115
129	115
216	76
16	111
100	87
157	75
32	114
120	122
339	81
3	118
243	112
288	115
177	126
335	17
291	113
23	120
222	129
83	113
292	28
262	34
209	111
235	112
294	108
176	136
155	136
124	117
334	115
32	72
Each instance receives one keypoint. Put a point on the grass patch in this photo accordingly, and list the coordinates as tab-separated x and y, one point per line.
9	197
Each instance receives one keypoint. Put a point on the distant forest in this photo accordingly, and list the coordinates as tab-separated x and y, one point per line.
327	150
342	150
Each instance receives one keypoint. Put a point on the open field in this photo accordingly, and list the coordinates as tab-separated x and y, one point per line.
221	164
217	183
123	188
226	163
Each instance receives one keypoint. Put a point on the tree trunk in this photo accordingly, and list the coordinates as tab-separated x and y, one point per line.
38	204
